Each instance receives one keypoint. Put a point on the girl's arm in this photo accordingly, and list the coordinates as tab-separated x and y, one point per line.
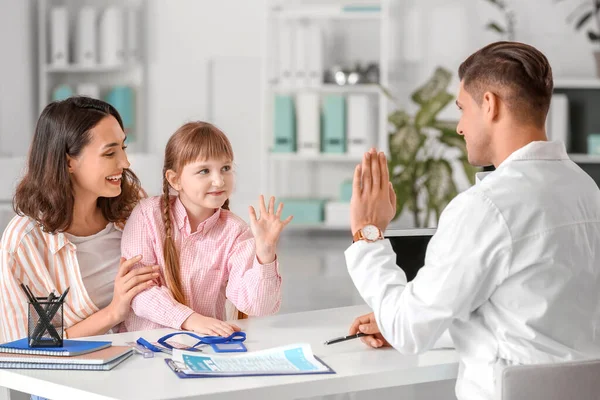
254	288
157	303
254	282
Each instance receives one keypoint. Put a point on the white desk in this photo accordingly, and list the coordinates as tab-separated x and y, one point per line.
358	367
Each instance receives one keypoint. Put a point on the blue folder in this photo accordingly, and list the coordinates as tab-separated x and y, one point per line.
70	348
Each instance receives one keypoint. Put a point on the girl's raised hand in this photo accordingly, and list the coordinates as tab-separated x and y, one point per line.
267	228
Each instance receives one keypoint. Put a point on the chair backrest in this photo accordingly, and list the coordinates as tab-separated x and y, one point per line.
567	380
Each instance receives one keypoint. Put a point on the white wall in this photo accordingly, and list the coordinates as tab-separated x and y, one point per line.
17	72
187	37
205	59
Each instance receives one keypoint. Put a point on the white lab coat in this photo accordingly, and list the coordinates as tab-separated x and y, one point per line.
513	272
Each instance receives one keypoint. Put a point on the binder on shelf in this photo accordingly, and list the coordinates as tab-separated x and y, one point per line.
132	48
112	51
361	124
86	52
300	66
309	123
59	36
284	132
334	124
314	55
62	92
88	89
286	54
123	99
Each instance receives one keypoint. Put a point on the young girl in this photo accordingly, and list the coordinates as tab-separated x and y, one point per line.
207	254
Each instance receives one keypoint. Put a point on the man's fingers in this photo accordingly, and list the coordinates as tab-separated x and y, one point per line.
392	196
356	181
367	179
362	320
385	173
375	171
369	329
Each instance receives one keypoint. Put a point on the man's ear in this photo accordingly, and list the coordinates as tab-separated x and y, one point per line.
491	106
173	179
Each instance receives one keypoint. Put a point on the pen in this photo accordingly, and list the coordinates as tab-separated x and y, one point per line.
344	338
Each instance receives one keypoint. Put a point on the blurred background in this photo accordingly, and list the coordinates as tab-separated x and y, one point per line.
302	88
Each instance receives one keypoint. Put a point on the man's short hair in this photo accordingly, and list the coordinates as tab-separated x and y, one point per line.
516	72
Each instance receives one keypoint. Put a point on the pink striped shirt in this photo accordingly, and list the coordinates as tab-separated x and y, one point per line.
44	262
217	262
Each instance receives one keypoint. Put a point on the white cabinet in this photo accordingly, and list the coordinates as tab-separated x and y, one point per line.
317	47
94	48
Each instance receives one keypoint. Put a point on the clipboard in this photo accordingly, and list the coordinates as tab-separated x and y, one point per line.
179	372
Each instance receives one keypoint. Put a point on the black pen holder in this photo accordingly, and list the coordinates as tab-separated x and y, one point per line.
45	323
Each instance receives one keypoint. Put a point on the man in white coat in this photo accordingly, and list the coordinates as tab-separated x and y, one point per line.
513	271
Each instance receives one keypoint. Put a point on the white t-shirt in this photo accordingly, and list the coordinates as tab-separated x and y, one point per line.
98	256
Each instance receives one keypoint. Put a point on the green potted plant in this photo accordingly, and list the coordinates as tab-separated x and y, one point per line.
585	13
420	168
506	29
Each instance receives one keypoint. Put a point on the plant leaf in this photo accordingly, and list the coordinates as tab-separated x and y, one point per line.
434	86
399	119
440	185
426	115
583	20
593	36
495	27
405	143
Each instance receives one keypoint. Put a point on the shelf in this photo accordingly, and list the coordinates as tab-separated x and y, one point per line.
321	157
577	83
316	227
330	88
585	158
84	69
333	12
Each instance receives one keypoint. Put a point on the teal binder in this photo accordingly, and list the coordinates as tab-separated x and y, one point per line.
62	92
334	124
284	129
123	99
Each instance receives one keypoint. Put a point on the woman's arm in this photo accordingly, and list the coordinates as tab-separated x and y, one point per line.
128	283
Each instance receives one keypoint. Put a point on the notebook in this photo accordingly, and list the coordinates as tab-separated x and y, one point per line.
70	348
103	356
94	367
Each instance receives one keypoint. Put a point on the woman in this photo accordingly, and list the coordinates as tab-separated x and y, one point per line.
71	204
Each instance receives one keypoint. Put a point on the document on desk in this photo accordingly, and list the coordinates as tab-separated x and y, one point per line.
296	359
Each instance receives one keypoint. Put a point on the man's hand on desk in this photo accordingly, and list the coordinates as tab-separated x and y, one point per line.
367	324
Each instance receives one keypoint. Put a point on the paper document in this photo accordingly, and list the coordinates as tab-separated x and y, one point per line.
286	360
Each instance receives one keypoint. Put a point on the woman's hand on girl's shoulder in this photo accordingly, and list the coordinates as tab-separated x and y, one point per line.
130	282
267	228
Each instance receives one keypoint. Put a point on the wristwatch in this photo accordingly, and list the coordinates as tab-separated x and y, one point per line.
369	233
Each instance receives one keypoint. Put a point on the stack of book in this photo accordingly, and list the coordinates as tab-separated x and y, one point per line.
75	354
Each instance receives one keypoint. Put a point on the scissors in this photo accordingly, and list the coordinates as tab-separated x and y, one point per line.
231	343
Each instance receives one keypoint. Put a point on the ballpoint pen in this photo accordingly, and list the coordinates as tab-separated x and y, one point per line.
344	338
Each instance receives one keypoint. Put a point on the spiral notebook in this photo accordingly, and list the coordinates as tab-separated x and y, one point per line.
99	357
70	348
50	365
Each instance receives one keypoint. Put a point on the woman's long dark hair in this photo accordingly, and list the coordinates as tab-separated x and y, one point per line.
45	193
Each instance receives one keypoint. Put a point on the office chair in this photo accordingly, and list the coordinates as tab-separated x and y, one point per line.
558	381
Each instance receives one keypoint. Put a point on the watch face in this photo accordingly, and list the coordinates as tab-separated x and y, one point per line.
370	232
